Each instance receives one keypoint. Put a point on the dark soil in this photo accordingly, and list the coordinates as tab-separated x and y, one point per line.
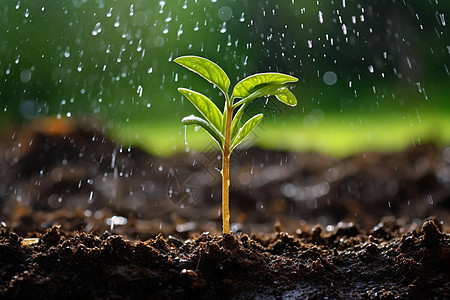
85	218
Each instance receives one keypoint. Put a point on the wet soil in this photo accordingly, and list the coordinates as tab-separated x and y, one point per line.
84	217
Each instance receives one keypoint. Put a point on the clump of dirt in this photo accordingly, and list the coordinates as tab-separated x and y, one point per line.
84	217
346	263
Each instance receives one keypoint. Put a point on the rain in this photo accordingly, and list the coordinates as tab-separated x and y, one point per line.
91	112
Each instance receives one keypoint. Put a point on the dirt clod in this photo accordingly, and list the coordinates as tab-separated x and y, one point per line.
80	265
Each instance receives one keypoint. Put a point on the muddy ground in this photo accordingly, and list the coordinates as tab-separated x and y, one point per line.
84	217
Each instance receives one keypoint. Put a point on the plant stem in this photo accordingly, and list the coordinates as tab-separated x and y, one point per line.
225	194
226	170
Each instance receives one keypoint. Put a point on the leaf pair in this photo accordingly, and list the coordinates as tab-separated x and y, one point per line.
248	89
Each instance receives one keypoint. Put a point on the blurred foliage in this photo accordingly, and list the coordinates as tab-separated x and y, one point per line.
114	58
332	134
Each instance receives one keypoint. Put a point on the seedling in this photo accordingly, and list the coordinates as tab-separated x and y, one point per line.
225	127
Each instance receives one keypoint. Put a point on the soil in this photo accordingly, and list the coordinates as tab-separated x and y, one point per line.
84	217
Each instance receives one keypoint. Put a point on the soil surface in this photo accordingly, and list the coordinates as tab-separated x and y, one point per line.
85	218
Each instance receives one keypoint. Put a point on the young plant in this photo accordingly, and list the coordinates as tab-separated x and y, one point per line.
225	127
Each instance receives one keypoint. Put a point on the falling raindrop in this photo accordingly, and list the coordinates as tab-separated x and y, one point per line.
113	159
97	29
442	19
90	199
180	30
344	29
131	10
139	46
242	18
67	53
140	89
161	4
430	199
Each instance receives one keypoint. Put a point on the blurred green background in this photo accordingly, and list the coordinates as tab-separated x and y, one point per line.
373	75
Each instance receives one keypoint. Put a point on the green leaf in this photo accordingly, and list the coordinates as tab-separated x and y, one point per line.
224	119
250	84
204	105
237	120
284	95
207	69
194	120
245	130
